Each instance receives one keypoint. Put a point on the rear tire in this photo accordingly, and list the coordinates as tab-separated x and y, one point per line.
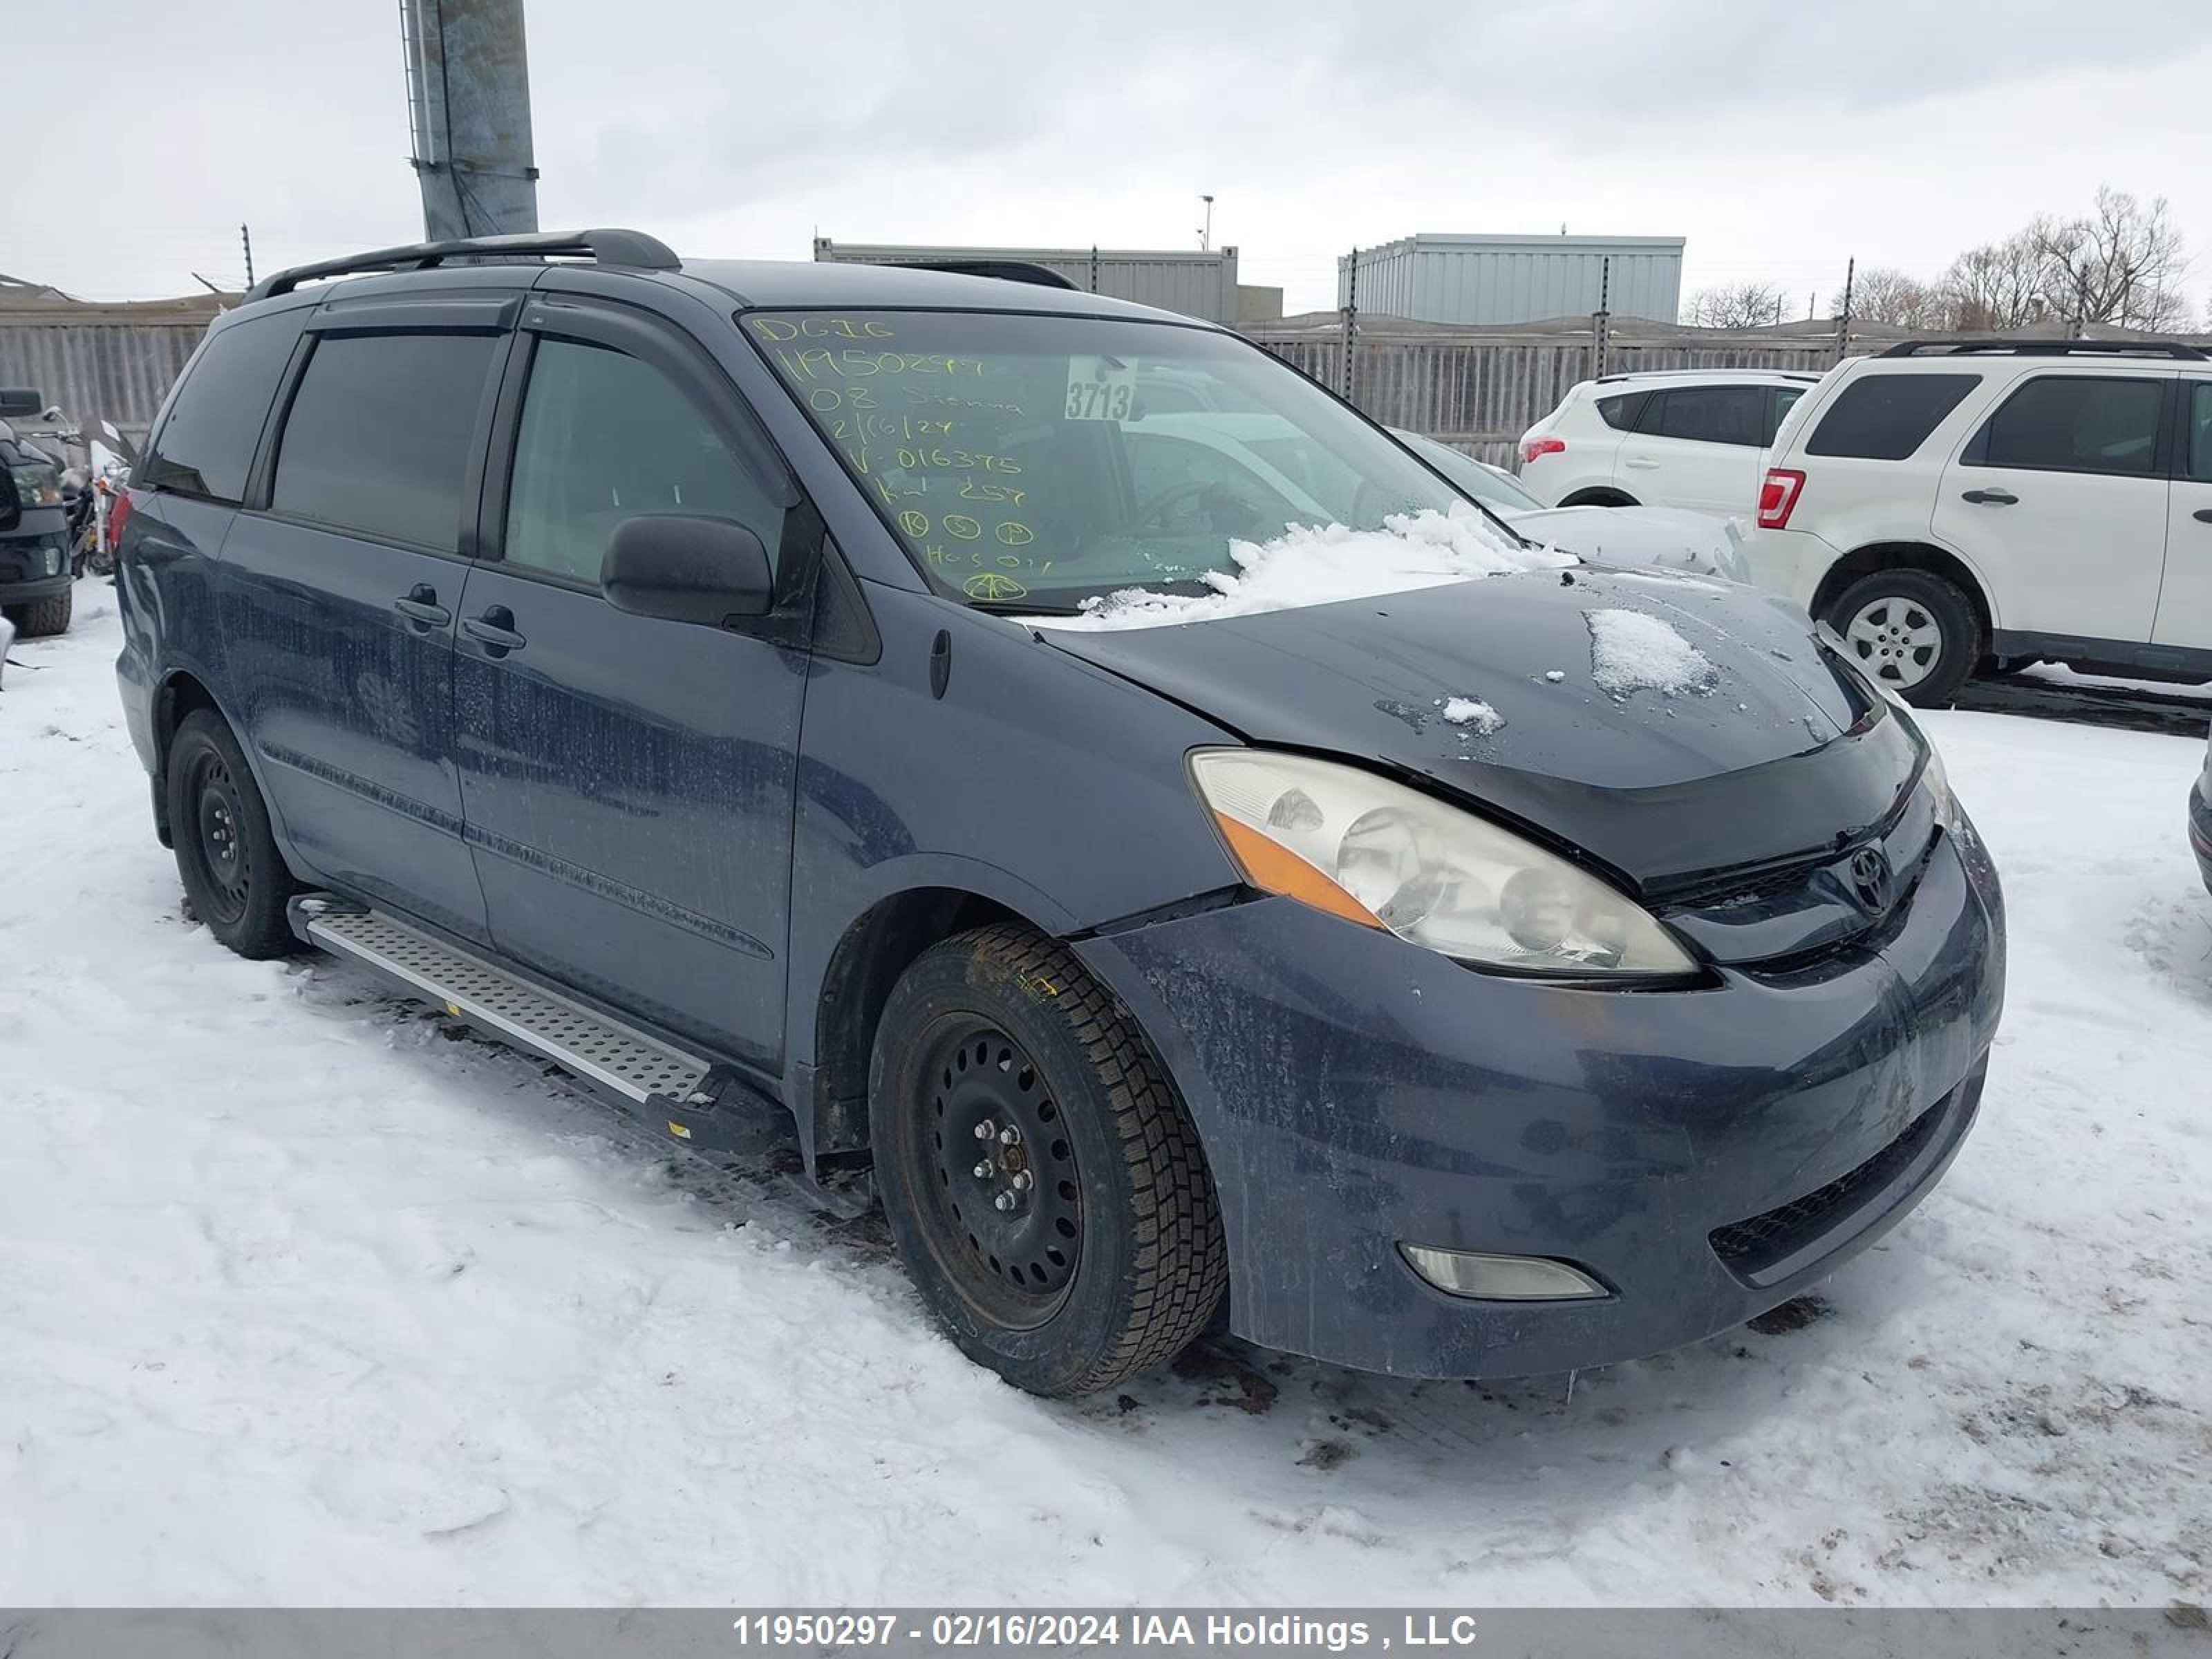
1088	1248
43	617
232	874
1911	631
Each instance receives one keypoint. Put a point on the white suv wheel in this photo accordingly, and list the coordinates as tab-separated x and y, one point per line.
1896	641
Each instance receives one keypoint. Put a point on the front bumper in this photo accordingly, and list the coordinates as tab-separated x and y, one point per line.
1355	1093
2200	823
33	567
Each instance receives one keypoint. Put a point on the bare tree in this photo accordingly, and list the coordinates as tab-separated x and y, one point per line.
2001	284
1881	294
1736	304
2122	262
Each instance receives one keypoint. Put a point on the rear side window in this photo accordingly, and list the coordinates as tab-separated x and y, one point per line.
605	439
1709	415
2074	423
205	446
378	438
1622	409
2200	432
1884	417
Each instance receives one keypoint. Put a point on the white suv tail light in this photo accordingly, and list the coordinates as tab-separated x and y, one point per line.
1532	447
1777	497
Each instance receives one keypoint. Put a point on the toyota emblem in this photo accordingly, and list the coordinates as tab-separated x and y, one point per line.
1869	875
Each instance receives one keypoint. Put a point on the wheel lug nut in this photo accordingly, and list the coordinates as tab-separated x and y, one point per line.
986	1129
1004	1201
1024	1180
1010	1135
983	1170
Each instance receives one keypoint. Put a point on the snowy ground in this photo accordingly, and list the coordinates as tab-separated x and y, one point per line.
301	1301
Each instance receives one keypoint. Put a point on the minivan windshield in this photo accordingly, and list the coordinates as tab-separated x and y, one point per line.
1036	461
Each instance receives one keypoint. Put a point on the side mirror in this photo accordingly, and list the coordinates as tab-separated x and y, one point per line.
11	504
685	569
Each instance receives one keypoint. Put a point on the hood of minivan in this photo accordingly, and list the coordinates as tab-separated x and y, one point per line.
1777	754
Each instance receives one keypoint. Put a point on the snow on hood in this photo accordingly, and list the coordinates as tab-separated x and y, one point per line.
1319	565
1634	651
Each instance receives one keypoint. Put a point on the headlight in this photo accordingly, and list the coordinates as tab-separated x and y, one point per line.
1378	853
36	487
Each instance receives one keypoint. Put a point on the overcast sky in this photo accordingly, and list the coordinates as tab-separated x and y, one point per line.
1780	138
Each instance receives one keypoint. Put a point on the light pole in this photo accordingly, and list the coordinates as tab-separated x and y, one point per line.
1206	236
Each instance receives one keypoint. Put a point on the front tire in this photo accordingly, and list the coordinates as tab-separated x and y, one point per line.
232	874
1911	631
1043	1183
43	617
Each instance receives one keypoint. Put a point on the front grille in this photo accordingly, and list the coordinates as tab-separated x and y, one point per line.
1756	1243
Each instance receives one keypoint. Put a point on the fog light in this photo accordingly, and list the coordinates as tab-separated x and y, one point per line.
54	561
1501	1278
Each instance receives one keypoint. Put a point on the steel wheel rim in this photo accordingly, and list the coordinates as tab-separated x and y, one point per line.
1002	1190
216	813
1896	639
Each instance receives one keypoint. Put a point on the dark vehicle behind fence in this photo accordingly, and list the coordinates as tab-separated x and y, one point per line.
682	670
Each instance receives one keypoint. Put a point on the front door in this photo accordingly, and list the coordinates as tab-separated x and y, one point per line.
341	581
628	781
2184	602
2060	500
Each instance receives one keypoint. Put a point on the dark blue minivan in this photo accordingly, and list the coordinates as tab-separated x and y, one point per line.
1139	819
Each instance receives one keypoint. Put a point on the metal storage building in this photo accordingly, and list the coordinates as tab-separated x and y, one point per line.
1451	278
1195	284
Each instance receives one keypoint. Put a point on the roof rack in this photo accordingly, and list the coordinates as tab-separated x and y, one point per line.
607	247
1007	270
1808	374
2046	348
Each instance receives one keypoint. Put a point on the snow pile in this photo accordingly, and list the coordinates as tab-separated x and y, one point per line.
1472	711
1632	651
1319	565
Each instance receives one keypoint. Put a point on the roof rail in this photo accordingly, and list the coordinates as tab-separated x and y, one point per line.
607	247
2046	348
1007	270
1808	374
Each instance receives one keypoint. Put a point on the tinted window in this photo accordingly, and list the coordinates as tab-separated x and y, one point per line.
1884	417
378	438
206	444
2074	423
2199	431
1709	414
1622	410
1778	409
605	438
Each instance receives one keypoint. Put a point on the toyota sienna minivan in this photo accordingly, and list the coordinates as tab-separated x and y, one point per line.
813	684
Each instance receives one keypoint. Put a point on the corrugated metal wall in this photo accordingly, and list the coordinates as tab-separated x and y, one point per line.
1194	284
1510	279
117	372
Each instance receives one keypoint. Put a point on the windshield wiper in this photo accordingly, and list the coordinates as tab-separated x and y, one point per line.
1021	608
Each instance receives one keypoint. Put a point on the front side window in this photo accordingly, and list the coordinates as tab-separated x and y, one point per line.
1709	415
2076	423
605	438
206	443
1886	417
1021	462
377	442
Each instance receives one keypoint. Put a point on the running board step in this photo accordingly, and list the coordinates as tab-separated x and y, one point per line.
615	1058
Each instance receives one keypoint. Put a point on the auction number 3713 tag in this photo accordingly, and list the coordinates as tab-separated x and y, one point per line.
1100	389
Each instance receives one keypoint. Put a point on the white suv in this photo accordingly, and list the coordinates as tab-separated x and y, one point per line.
1955	505
1685	438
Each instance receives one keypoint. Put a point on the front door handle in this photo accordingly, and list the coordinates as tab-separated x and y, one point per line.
495	629
2203	515
420	605
1989	497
